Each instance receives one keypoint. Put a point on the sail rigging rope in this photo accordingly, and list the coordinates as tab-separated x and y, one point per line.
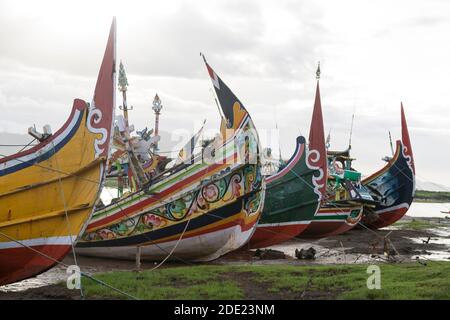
132	297
423	178
66	265
68	221
276	232
174	247
18	145
67	215
52	169
90	276
384	238
147	237
179	239
96	182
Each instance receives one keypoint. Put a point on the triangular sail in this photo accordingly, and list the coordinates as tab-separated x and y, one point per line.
103	102
317	147
233	110
405	138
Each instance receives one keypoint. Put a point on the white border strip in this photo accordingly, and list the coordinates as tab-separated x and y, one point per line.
334	213
63	240
304	222
330	220
400	206
45	149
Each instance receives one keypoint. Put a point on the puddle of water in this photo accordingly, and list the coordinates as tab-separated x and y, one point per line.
442	237
51	276
328	251
430	210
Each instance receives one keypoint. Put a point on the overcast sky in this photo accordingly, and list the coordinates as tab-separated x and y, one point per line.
373	55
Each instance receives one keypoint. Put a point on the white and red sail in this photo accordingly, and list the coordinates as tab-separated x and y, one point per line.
101	119
405	139
317	156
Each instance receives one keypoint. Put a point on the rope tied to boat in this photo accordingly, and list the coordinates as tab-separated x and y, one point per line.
67	266
67	216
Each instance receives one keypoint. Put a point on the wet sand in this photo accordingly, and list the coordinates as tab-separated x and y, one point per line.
392	244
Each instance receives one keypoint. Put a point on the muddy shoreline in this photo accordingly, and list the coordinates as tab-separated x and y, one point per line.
396	244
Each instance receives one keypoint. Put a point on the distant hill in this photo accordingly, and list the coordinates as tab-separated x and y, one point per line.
430	186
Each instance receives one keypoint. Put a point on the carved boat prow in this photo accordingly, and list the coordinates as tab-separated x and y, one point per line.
48	192
393	186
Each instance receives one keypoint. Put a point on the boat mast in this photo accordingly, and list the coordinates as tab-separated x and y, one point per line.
133	162
123	87
390	142
157	107
351	132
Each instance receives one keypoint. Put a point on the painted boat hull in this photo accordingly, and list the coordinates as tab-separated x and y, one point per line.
393	187
386	218
269	235
294	193
39	211
201	212
333	221
20	263
290	203
202	241
48	192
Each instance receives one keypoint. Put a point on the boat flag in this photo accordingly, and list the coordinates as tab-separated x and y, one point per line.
405	138
187	152
317	142
101	118
233	110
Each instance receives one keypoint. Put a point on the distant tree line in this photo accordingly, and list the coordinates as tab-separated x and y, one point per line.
432	196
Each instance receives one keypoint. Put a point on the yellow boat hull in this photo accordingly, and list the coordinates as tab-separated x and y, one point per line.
48	192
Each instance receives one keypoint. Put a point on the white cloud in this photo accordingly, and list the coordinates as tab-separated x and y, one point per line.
373	55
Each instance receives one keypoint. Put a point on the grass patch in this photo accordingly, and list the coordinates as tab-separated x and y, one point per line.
199	282
399	281
411	281
416	224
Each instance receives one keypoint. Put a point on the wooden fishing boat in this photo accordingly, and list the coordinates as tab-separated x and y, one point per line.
342	207
393	186
47	193
195	211
294	193
333	219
